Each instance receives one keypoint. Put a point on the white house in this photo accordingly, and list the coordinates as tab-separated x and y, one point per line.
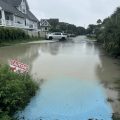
44	25
16	13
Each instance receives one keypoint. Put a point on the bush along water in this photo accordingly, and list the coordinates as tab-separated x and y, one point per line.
108	33
16	90
8	34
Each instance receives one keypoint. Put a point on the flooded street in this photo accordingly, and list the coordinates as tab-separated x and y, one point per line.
78	79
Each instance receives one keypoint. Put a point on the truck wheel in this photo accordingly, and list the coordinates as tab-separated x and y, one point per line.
63	38
50	38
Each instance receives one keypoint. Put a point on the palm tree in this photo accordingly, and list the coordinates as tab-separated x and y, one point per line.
99	21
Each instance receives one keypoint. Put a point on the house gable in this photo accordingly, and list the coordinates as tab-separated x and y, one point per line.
44	23
22	7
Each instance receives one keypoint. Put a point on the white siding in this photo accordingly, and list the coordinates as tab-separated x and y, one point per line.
31	24
35	25
19	22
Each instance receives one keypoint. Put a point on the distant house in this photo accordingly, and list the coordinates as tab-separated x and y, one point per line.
16	13
44	25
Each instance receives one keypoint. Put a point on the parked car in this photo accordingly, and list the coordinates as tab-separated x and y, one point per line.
56	36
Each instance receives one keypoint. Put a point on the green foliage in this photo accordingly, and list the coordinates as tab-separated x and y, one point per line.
111	34
116	117
4	116
99	21
108	33
53	23
91	29
16	91
57	26
12	34
81	31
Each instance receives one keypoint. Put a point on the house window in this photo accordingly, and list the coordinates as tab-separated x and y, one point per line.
25	23
46	28
24	10
57	33
7	17
19	20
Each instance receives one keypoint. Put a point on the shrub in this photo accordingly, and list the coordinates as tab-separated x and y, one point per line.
16	91
7	34
110	35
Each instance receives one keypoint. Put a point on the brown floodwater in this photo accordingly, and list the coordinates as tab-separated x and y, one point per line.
78	79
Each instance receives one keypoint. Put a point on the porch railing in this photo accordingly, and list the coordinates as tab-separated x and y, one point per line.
11	23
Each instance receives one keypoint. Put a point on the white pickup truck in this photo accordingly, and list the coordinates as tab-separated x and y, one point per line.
56	36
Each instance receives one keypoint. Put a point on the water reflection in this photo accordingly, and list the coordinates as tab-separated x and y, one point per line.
50	48
67	59
26	54
109	72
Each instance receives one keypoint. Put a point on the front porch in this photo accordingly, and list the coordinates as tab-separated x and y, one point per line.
5	18
9	20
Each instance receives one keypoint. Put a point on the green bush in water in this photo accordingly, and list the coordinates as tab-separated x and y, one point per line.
16	91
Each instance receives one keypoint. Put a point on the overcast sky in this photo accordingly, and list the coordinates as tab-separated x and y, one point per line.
78	12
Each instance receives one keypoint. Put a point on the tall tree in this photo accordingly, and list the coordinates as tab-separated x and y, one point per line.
110	35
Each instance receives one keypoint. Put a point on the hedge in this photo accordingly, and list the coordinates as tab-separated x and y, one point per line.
8	34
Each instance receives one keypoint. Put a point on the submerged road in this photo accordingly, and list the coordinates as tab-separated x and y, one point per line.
76	84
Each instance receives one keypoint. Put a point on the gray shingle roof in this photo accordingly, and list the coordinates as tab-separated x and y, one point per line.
10	6
44	23
31	16
13	2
